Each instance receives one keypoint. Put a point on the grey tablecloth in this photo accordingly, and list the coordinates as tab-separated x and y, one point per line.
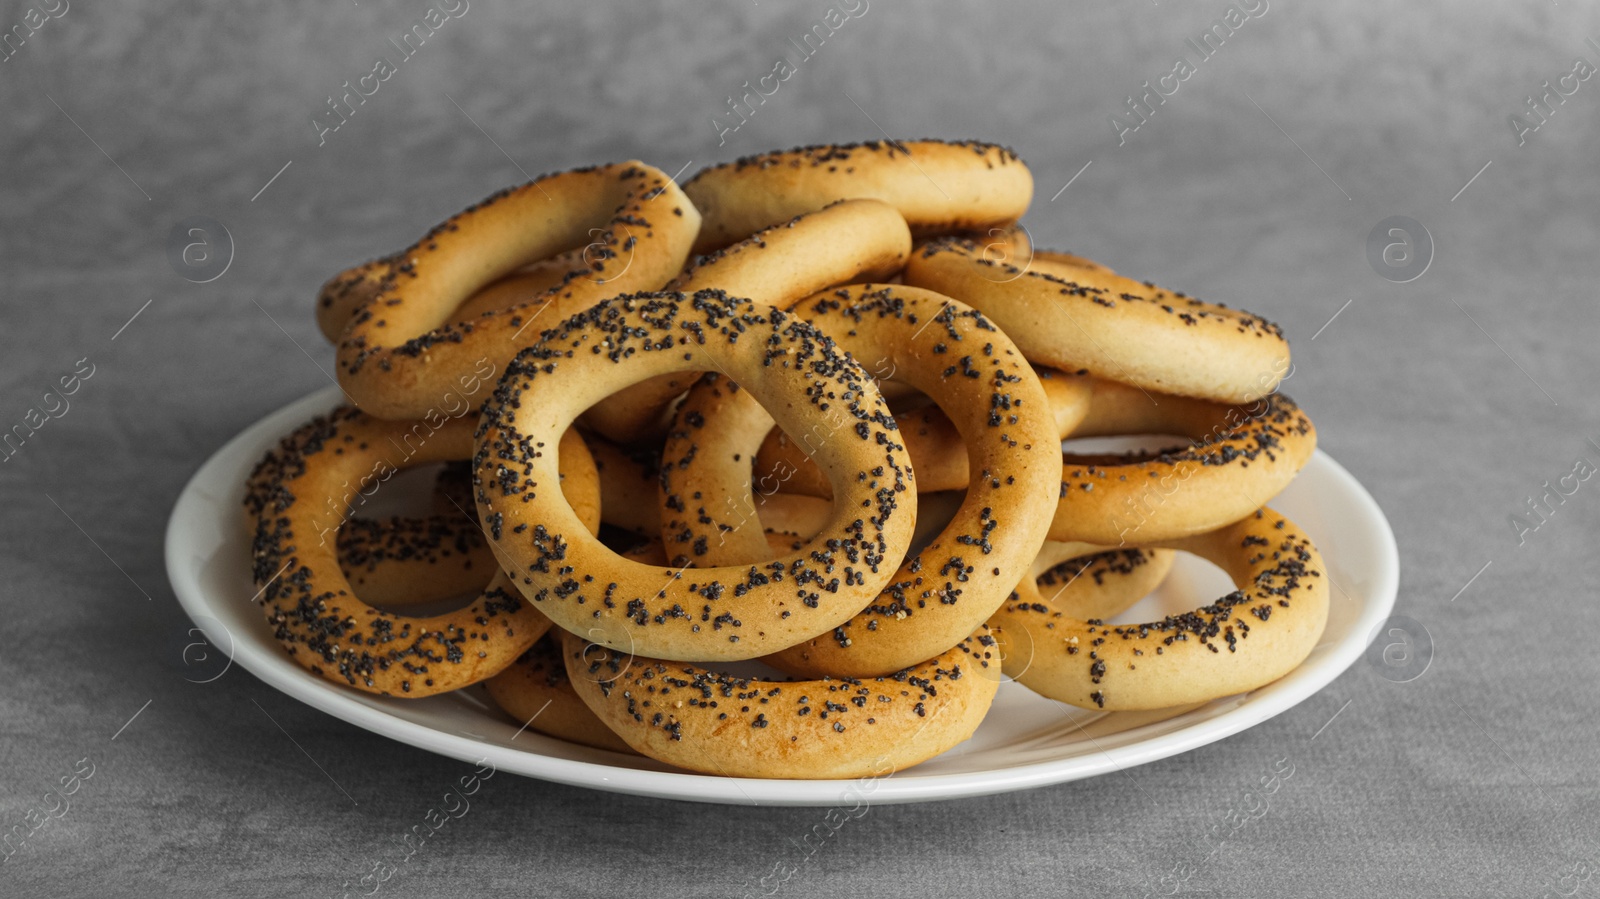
1453	397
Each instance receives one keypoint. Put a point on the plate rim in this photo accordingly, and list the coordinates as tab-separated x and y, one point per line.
283	675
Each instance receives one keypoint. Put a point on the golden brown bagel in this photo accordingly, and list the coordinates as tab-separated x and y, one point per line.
938	186
1238	459
703	720
712	614
1085	319
398	354
299	495
1243	641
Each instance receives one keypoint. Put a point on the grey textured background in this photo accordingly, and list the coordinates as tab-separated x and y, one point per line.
1475	779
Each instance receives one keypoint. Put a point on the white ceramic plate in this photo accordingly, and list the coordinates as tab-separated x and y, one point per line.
1026	741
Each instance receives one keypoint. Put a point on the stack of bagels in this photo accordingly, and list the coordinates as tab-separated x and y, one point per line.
808	409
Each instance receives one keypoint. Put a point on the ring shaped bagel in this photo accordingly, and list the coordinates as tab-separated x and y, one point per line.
1246	639
299	495
1238	459
704	720
1113	327
1079	587
712	614
852	240
538	694
938	453
398	354
947	590
938	186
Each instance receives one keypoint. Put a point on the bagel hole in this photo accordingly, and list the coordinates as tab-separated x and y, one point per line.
897	395
902	397
751	668
407	493
1193	582
620	540
410	493
429	609
934	512
1122	449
